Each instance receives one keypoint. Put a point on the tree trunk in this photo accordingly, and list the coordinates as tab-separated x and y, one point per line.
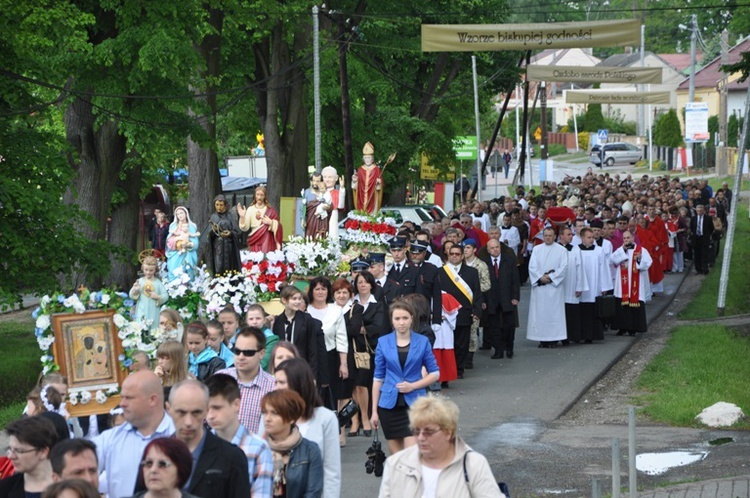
281	110
203	164
124	229
99	156
346	119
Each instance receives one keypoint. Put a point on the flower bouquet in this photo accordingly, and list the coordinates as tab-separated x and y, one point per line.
231	289
267	272
186	292
312	258
364	232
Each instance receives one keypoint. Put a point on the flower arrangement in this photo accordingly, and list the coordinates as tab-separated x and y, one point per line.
312	258
186	292
231	289
364	231
267	272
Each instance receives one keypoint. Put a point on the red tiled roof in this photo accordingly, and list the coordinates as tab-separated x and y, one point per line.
680	62
710	75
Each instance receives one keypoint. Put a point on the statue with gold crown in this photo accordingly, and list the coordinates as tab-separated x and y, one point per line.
367	183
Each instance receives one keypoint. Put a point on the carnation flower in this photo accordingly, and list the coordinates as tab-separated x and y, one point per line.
101	398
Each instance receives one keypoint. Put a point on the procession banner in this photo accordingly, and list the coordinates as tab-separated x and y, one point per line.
610	97
600	74
491	37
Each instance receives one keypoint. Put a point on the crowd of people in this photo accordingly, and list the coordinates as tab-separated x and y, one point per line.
246	405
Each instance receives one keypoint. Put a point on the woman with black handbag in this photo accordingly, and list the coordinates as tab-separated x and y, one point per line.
365	342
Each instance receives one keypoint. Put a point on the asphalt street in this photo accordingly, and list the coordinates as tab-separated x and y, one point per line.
511	402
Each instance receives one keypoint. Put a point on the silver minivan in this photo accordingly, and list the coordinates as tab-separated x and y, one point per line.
616	152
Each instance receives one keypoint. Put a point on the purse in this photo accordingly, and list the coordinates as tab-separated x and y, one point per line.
361	359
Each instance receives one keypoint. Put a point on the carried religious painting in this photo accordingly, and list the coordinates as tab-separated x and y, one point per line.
87	349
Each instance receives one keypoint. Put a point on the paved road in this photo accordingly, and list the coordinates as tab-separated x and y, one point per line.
506	401
737	487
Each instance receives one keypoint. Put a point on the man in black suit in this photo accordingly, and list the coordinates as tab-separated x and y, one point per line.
462	282
701	227
402	271
427	284
502	299
219	468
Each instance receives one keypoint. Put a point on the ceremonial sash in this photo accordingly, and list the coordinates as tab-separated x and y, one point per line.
630	289
459	282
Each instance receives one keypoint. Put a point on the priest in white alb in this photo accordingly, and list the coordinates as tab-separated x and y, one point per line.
575	284
632	286
547	269
596	273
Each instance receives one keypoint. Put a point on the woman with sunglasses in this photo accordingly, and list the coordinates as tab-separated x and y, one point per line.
30	440
165	468
441	464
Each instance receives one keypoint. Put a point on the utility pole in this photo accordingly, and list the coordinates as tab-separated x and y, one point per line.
316	89
543	146
721	146
641	109
693	62
476	119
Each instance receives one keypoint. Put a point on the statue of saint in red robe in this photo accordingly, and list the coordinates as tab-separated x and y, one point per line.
367	183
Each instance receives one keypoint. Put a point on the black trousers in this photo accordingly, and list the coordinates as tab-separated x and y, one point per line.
700	252
501	330
461	336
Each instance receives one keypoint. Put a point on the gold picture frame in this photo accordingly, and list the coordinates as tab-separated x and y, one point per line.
87	350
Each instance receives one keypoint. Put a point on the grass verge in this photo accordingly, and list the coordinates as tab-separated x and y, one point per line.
693	372
19	368
738	290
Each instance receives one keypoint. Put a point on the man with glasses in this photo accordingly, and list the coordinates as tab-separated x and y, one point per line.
254	383
462	282
220	469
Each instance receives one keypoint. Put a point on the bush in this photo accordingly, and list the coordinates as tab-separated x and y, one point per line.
19	370
583	140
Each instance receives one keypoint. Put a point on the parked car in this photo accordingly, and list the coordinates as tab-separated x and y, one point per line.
400	214
616	152
415	214
437	212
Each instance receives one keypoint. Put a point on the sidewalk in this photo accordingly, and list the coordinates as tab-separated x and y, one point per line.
730	487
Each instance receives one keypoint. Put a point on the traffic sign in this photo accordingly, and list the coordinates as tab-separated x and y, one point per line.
465	147
538	133
602	135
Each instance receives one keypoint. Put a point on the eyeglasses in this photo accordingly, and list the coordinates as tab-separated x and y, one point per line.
425	432
160	464
244	352
455	253
18	451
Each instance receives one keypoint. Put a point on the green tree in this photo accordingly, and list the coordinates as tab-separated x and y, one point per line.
667	130
594	119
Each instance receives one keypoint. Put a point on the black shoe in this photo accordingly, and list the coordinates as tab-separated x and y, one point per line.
588	341
509	354
367	433
498	355
460	375
485	348
620	332
444	385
